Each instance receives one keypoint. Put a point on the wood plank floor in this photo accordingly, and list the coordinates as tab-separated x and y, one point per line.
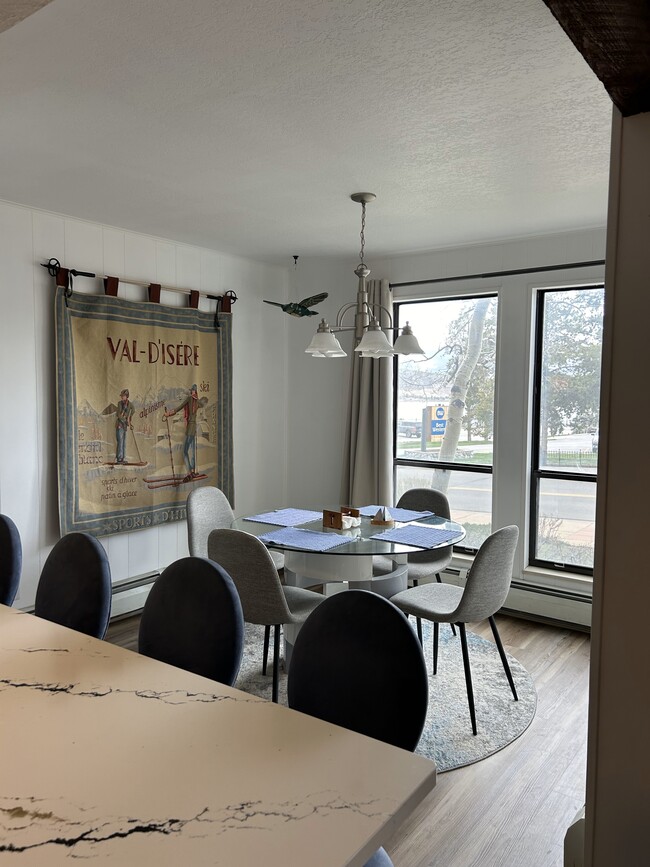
513	808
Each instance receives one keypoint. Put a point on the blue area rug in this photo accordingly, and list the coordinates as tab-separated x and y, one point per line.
447	737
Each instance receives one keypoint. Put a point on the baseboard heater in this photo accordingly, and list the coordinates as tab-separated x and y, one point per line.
550	605
129	595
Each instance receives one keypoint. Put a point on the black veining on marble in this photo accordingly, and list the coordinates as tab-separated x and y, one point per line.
247	815
171	696
96	835
44	650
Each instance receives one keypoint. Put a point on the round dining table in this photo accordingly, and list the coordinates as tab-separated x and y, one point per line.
352	564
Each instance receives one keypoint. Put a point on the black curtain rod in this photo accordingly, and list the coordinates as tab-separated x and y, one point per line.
489	274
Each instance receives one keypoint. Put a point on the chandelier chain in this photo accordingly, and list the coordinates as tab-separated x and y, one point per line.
363	231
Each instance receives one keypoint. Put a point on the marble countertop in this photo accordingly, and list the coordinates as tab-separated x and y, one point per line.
111	757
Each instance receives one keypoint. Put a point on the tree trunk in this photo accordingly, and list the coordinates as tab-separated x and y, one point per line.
459	392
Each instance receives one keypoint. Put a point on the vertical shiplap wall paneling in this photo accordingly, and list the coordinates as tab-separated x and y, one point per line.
269	418
48	242
28	429
113	251
19	465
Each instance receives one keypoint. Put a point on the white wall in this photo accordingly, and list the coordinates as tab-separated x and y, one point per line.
318	387
28	473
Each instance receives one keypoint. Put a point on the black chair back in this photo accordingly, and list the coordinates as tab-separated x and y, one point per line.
193	619
11	560
74	589
358	664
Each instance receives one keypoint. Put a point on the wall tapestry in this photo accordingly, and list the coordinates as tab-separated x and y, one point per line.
144	396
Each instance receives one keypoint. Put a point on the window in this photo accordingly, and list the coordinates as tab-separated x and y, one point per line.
444	407
565	427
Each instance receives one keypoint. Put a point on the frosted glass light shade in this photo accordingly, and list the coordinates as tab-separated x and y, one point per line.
374	342
407	343
324	344
378	354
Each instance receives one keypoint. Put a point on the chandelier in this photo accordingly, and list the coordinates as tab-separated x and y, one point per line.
371	337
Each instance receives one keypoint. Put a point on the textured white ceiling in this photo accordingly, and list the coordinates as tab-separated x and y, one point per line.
244	126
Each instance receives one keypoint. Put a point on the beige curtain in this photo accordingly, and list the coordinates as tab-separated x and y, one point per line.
368	468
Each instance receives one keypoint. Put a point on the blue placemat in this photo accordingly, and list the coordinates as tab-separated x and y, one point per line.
402	515
286	517
308	540
420	537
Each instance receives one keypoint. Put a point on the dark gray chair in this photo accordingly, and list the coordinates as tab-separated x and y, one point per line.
74	589
264	600
358	664
208	509
11	560
485	591
193	619
423	564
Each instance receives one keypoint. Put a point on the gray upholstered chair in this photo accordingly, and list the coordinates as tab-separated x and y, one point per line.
208	509
485	591
422	564
264	600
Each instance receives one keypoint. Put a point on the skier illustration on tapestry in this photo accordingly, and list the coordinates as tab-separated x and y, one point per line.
123	421
190	406
124	412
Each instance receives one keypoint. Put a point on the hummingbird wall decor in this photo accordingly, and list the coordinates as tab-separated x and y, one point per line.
301	308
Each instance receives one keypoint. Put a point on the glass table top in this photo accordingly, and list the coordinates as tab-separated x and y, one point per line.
360	542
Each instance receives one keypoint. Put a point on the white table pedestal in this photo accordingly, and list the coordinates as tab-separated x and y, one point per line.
337	573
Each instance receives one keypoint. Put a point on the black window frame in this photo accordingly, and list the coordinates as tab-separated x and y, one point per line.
536	473
433	464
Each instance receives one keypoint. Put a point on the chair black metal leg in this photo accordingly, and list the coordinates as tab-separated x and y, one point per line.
468	676
276	661
265	658
504	658
436	630
439	580
418	623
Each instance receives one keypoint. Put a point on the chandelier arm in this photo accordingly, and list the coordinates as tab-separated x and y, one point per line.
343	310
373	304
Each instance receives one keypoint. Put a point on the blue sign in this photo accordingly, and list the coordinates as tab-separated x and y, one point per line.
438	426
440	412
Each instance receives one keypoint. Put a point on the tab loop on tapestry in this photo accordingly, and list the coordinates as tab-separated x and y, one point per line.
111	285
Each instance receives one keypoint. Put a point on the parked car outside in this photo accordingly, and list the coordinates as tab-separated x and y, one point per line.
409	428
594	443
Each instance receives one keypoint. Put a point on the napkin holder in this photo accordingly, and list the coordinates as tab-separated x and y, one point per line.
344	519
383	518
